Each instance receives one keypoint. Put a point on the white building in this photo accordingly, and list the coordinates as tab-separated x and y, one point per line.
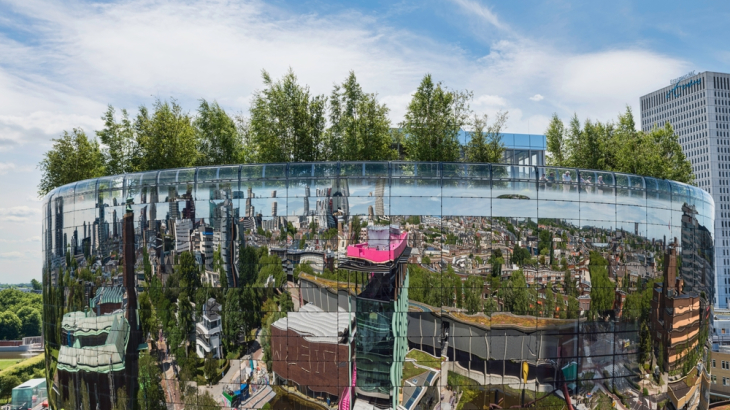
698	108
208	331
183	227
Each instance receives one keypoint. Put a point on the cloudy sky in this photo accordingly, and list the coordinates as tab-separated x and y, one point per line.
62	63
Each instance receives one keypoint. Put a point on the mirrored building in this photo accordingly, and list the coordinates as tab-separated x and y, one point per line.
378	285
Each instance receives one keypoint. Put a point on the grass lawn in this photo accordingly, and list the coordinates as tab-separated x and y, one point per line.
425	359
410	370
5	363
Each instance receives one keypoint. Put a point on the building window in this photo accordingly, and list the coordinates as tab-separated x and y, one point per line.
713	362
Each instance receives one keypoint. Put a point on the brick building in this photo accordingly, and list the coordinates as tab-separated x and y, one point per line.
312	350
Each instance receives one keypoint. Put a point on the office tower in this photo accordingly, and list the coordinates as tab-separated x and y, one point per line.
182	235
114	224
379	192
58	211
174	210
306	200
697	106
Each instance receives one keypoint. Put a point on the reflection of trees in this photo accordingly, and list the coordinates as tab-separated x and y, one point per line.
602	289
149	395
517	297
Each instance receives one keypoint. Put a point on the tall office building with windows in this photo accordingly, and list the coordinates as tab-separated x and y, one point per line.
698	108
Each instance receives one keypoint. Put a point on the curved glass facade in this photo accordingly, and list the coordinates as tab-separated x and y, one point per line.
377	285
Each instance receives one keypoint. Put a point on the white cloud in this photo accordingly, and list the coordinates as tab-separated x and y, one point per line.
6	167
537	97
83	56
481	12
489	101
23	240
11	255
19	213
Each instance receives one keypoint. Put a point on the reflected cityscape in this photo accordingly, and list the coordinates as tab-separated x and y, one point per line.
378	285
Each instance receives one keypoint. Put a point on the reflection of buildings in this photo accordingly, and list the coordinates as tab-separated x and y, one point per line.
58	228
208	330
318	260
183	227
311	350
223	218
379	192
381	316
676	104
93	352
675	316
698	254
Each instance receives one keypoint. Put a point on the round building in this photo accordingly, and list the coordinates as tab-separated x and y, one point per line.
362	285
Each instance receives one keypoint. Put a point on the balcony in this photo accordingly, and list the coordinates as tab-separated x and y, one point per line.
201	329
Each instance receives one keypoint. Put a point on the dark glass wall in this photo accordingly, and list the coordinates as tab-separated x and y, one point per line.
377	284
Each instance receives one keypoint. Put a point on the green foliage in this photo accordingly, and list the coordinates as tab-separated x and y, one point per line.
618	147
188	271
554	135
31	321
150	395
485	144
549	303
10	326
121	401
302	267
569	284
36	284
271	266
645	344
496	260
285	303
360	128
433	120
520	255
147	315
517	297
184	316
473	289
120	149
602	289
197	401
287	123
242	312
7	383
210	367
72	158
218	138
85	399
166	137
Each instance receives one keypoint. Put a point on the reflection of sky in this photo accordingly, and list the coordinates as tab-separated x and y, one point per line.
448	197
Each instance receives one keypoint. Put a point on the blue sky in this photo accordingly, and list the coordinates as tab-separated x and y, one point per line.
62	63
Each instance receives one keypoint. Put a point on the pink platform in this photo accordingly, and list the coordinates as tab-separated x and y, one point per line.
363	251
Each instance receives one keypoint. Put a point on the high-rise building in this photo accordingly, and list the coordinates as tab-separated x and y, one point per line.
698	108
58	209
306	200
